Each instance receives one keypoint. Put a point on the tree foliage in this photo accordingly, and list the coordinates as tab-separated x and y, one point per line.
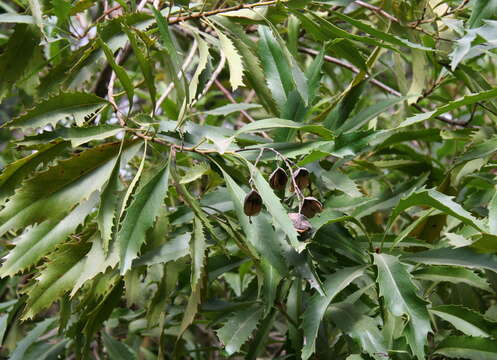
284	179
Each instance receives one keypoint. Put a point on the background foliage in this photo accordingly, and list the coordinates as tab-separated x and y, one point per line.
133	130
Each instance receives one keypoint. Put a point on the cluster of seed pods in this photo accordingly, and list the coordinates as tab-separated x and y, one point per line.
308	206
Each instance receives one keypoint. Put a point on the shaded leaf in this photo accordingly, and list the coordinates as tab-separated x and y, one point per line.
401	298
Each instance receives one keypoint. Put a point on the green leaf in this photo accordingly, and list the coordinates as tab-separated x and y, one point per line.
481	10
77	136
239	327
30	338
452	105
120	72
58	276
13	174
276	66
39	240
492	214
464	257
362	328
54	192
202	65
437	200
235	62
272	279
401	298
95	262
144	64
478	151
395	40
451	274
195	172
198	248
465	320
77	107
140	216
191	309
318	304
173	66
231	108
108	205
467	347
117	350
16	19
174	249
16	55
362	117
275	123
335	179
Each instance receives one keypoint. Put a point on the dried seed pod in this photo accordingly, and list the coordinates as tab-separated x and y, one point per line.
278	179
302	178
253	203
300	222
311	206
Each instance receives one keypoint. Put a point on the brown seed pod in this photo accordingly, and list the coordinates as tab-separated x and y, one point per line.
302	178
300	222
253	203
278	179
311	206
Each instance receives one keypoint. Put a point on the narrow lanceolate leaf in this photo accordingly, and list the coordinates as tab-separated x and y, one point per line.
364	329
455	275
401	298
108	205
39	240
54	192
75	107
140	216
191	309
239	328
235	62
464	257
174	249
437	200
13	174
16	55
465	100
116	349
198	248
120	72
276	67
203	59
466	320
30	338
60	273
467	347
492	214
144	64
318	304
95	262
76	135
